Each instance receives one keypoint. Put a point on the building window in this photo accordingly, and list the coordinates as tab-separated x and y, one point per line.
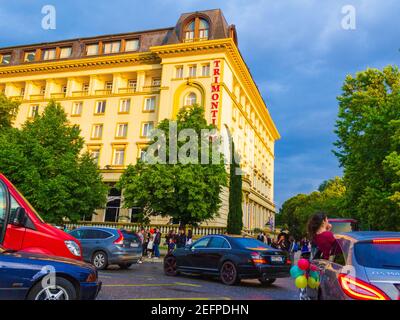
179	72
95	154
192	71
5	59
33	111
29	56
97	131
205	70
122	130
196	29
112	47
142	154
92	49
85	87
65	52
147	128
22	92
125	106
108	85
191	99
42	90
150	104
77	109
49	54
119	156
132	84
132	45
156	82
100	107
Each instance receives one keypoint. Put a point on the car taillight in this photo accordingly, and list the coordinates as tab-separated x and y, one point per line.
360	290
386	241
120	240
288	261
256	258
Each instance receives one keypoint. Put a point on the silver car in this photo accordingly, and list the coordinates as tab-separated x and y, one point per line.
363	266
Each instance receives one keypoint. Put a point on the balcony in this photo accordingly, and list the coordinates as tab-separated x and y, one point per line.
153	88
126	90
82	93
16	98
36	96
104	92
58	95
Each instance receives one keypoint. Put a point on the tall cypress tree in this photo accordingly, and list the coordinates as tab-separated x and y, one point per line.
235	215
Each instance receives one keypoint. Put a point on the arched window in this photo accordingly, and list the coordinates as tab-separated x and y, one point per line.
191	99
196	29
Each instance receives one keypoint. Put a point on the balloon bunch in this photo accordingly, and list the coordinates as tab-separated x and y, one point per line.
305	274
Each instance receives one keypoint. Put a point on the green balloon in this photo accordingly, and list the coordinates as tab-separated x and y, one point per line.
312	283
295	272
314	275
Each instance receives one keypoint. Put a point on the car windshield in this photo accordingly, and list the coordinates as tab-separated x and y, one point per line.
341	227
251	244
378	255
30	206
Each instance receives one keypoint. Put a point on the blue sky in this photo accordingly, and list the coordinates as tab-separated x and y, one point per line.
297	51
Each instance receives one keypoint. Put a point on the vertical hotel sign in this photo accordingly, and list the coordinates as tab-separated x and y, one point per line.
216	92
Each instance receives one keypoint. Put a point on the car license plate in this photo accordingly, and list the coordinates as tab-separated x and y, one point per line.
278	259
134	245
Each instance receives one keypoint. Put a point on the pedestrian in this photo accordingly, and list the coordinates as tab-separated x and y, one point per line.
150	246
141	235
171	245
189	239
319	230
292	248
181	239
156	244
260	236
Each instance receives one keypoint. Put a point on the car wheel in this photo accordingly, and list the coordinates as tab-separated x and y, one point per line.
125	266
228	273
62	290
170	268
100	260
267	282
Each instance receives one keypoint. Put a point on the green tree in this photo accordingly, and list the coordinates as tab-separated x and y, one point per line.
188	193
8	111
44	159
367	147
235	214
296	211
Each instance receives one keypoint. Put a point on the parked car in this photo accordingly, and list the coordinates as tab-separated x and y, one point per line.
22	229
341	225
106	246
26	276
365	266
230	258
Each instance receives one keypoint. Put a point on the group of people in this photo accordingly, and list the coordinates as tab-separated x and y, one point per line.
151	240
179	240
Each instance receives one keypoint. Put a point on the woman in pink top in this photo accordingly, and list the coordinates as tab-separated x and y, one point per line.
319	230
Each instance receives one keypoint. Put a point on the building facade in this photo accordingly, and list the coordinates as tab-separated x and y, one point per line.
118	87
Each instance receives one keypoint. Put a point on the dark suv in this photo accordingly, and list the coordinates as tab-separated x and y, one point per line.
105	246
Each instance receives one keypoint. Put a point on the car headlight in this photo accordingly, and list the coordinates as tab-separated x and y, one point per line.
73	247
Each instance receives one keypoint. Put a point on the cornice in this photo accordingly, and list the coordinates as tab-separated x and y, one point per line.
79	64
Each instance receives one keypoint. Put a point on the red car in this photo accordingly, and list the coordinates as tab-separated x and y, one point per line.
22	229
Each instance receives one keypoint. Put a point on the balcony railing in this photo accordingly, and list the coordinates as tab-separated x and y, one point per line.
16	98
82	93
58	95
36	96
126	90
103	92
152	88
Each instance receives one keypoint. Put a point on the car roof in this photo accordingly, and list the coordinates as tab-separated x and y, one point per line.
369	235
96	228
341	220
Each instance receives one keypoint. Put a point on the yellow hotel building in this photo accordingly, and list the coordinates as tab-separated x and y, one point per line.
118	87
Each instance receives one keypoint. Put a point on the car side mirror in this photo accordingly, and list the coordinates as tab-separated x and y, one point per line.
20	217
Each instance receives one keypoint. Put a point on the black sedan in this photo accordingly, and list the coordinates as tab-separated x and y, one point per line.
230	258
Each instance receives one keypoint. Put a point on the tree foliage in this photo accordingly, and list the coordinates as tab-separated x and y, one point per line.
8	111
368	146
188	193
235	214
296	211
44	160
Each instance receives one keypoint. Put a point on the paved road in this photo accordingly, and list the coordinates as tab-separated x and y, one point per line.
147	281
